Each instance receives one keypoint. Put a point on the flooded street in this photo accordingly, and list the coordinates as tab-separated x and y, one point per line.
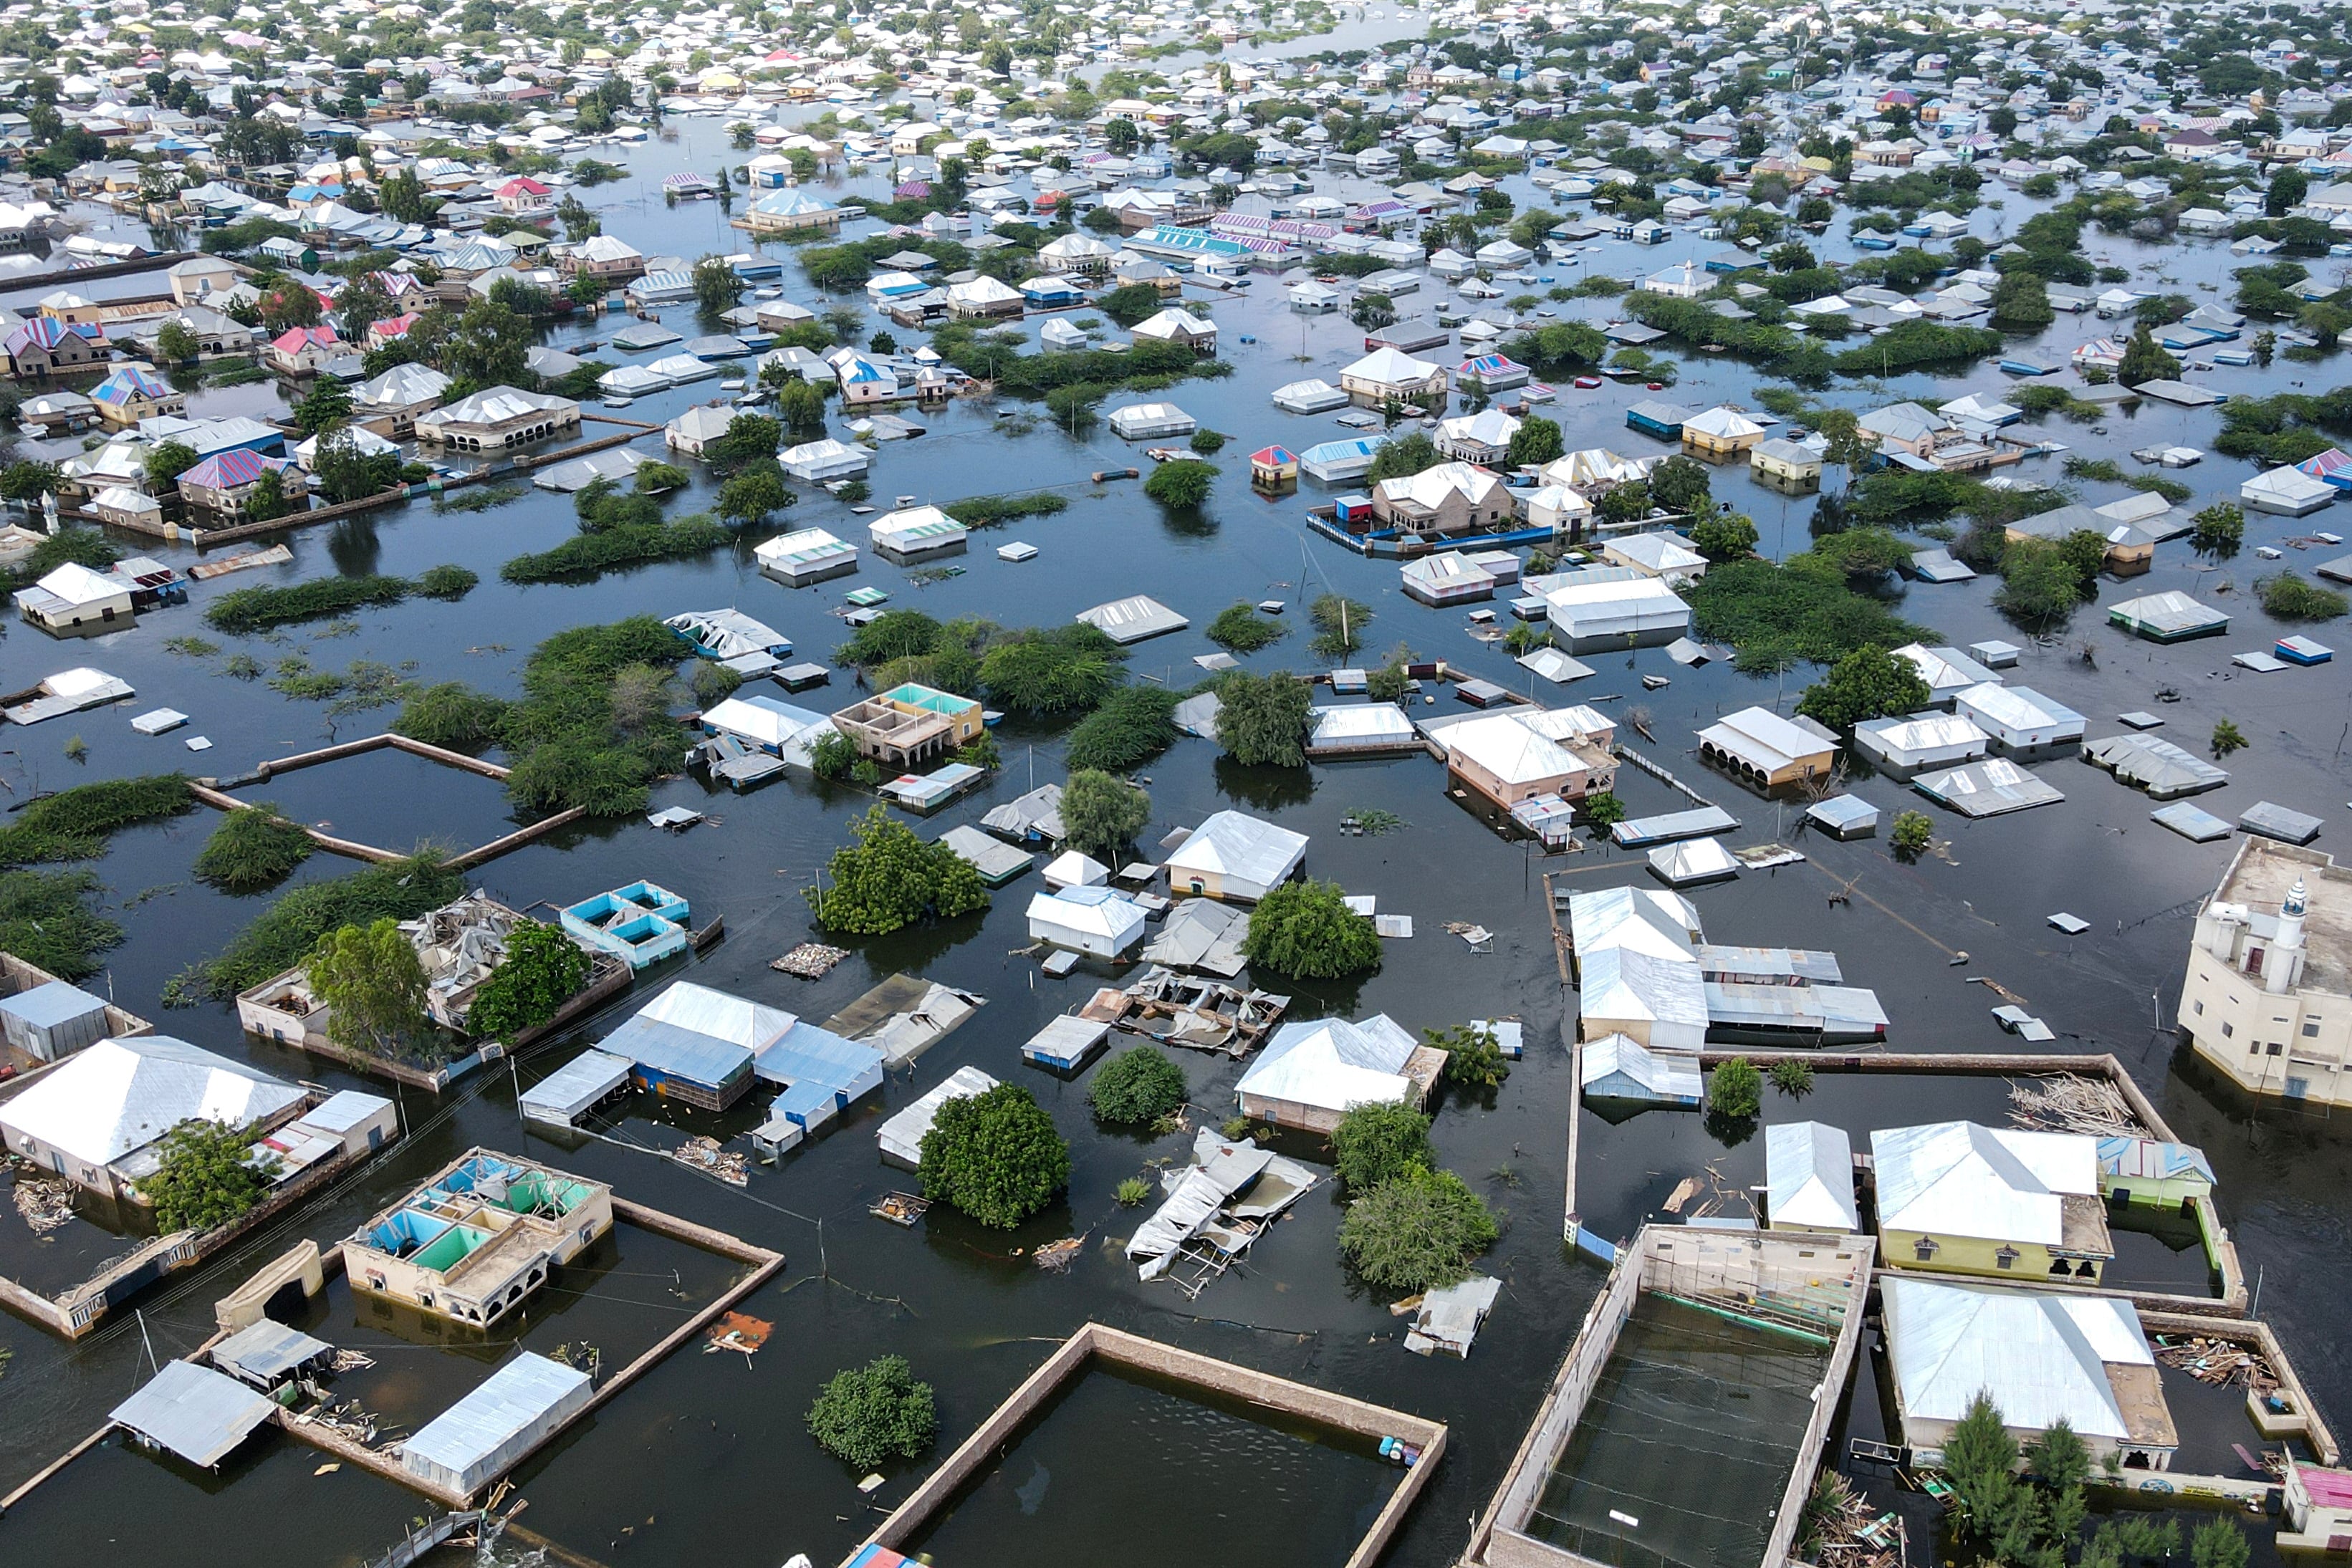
706	1461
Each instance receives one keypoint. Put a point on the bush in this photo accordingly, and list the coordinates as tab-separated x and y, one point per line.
987	511
1133	724
543	969
1182	484
46	919
890	878
287	932
995	1156
1263	720
1911	834
1137	1089
447	582
1380	1142
1306	930
252	849
2292	598
1780	615
1131	1192
1792	1077
1603	810
1241	630
203	1180
75	824
1339	625
250	610
451	715
1869	682
2218	530
1737	1089
587	557
1418	1232
1069	669
1474	1057
867	1415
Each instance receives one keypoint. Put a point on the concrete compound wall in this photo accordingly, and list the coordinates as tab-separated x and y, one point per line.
1069	1361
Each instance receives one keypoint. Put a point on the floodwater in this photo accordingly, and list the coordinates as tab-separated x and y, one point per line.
1115	1450
708	1459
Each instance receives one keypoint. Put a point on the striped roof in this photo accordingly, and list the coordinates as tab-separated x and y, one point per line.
128	383
228	470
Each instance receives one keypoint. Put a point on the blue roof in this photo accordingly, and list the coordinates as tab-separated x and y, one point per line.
820	1070
675	1052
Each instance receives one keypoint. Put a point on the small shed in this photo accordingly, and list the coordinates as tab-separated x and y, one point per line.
1067	1044
2171	616
490	1430
1809	1178
52	1020
1099	922
1844	816
1618	1067
2019	719
2152	1171
1693	860
266	1354
996	861
901	1138
1073	869
572	1090
194	1412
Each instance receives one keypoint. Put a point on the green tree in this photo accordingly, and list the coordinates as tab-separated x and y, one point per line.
1262	720
869	1415
2021	299
994	1156
1980	1462
1536	442
716	286
1102	813
371	981
2228	739
1306	930
1404	458
2219	1543
890	878
2040	583
1381	1142
1680	484
202	1179
2218	530
1240	628
749	439
1418	1232
543	969
1912	832
1137	1089
1474	1057
1792	1077
176	345
801	405
345	473
1736	1091
1604	808
166	461
1869	682
754	496
1068	669
327	404
1130	303
2145	361
2287	189
1723	536
578	222
1181	485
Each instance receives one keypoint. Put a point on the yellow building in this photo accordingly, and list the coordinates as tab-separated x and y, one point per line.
1955	1198
479	1238
2267	998
909	724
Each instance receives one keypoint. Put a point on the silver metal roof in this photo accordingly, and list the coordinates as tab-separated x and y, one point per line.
1957	1178
563	1095
1233	844
121	1095
468	1445
2042	1358
1133	620
2158	766
264	1352
196	1413
1809	1177
1988	788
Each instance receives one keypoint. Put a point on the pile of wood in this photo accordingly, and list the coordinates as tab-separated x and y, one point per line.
737	1331
703	1153
809	961
351	1360
1055	1256
2218	1362
2068	1104
1852	1533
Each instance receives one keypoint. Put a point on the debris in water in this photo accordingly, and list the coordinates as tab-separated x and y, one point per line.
899	1207
703	1153
810	960
739	1331
45	1205
1056	1256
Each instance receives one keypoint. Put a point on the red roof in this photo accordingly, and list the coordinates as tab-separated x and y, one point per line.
294	340
522	185
2328	1489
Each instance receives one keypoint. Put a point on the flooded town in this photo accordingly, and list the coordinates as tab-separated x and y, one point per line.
757	767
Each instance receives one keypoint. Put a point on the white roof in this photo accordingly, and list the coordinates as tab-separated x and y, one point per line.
1657	552
1233	844
1622	985
901	1137
1090	910
195	1412
1944	669
1431	486
1727	423
121	1095
1667	1074
1333	1065
1693	860
735	1020
1645	919
2040	1357
1809	1177
1615	606
762	719
1957	1178
1391	367
496	405
1760	735
2016	707
1504	745
914	522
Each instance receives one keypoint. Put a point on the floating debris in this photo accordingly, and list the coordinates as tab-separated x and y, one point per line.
581	1357
45	1206
2218	1362
1370	821
739	1331
703	1153
351	1360
1055	1256
901	1207
810	960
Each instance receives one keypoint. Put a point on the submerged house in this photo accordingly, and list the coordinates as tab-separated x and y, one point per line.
1956	1198
1233	855
480	1236
1311	1074
641	923
2039	1356
99	1119
1809	1178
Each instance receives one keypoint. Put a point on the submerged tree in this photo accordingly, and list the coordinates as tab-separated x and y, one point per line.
995	1156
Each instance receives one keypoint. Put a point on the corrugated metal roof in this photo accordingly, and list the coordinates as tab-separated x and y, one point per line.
264	1351
571	1089
121	1095
901	1137
1333	1063
1809	1177
1232	845
196	1413
488	1429
2042	1358
1988	788
1617	1066
1956	1178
